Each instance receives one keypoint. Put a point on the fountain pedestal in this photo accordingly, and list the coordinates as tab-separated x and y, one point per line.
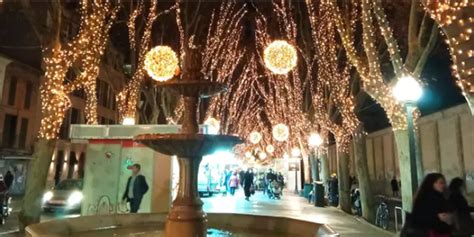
186	217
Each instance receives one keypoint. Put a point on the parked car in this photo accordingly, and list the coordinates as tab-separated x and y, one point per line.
67	196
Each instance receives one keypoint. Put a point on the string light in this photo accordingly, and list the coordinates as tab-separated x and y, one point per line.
456	19
371	75
87	45
127	98
161	63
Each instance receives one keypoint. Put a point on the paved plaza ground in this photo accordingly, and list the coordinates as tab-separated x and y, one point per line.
295	207
289	206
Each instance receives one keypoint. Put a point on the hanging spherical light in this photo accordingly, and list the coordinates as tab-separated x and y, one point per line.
270	149
262	155
161	63
248	154
255	137
281	132
280	57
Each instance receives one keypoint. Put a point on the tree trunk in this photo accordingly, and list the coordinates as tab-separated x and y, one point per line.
323	156
365	188
314	166
344	181
36	183
403	152
419	159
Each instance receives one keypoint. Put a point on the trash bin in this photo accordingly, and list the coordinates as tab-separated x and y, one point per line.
307	189
318	194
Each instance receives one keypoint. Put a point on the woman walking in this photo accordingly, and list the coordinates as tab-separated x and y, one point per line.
233	183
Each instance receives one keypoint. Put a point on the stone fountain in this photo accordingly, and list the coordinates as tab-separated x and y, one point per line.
186	217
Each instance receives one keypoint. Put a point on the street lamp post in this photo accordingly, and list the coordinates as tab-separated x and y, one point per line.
314	142
408	91
296	154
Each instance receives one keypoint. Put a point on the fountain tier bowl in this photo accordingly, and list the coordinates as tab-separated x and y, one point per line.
148	225
188	145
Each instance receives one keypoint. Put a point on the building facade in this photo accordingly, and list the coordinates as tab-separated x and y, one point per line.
19	123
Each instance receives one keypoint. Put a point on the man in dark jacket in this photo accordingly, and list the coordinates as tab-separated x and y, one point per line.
135	189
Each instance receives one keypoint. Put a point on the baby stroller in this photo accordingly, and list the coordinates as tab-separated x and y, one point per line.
275	190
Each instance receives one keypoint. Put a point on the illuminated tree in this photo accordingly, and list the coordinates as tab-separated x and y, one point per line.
140	43
455	19
59	56
421	40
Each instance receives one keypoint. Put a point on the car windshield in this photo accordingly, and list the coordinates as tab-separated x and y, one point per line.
69	185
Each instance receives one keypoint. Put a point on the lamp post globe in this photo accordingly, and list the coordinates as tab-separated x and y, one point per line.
315	140
407	90
295	152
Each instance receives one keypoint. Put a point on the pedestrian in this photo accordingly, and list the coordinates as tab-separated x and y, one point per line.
281	179
233	183
460	207
395	187
241	177
269	178
9	179
135	189
430	216
334	191
248	183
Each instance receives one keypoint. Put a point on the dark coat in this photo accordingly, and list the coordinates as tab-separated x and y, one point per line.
248	180
394	184
139	189
462	210
425	212
9	179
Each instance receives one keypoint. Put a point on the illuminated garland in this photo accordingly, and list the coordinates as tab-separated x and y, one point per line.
371	75
59	59
456	19
127	98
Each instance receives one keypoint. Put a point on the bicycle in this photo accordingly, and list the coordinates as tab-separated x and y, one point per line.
381	216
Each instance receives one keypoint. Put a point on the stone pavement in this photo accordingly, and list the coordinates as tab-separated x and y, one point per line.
295	207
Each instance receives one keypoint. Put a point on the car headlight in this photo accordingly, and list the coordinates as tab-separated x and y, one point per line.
75	198
47	196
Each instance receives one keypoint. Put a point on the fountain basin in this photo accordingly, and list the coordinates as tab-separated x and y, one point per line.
187	145
147	225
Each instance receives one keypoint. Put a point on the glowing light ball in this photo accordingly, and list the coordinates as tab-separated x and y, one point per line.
248	154
270	149
295	152
161	63
280	57
213	125
407	90
255	137
128	121
281	132
286	156
262	155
